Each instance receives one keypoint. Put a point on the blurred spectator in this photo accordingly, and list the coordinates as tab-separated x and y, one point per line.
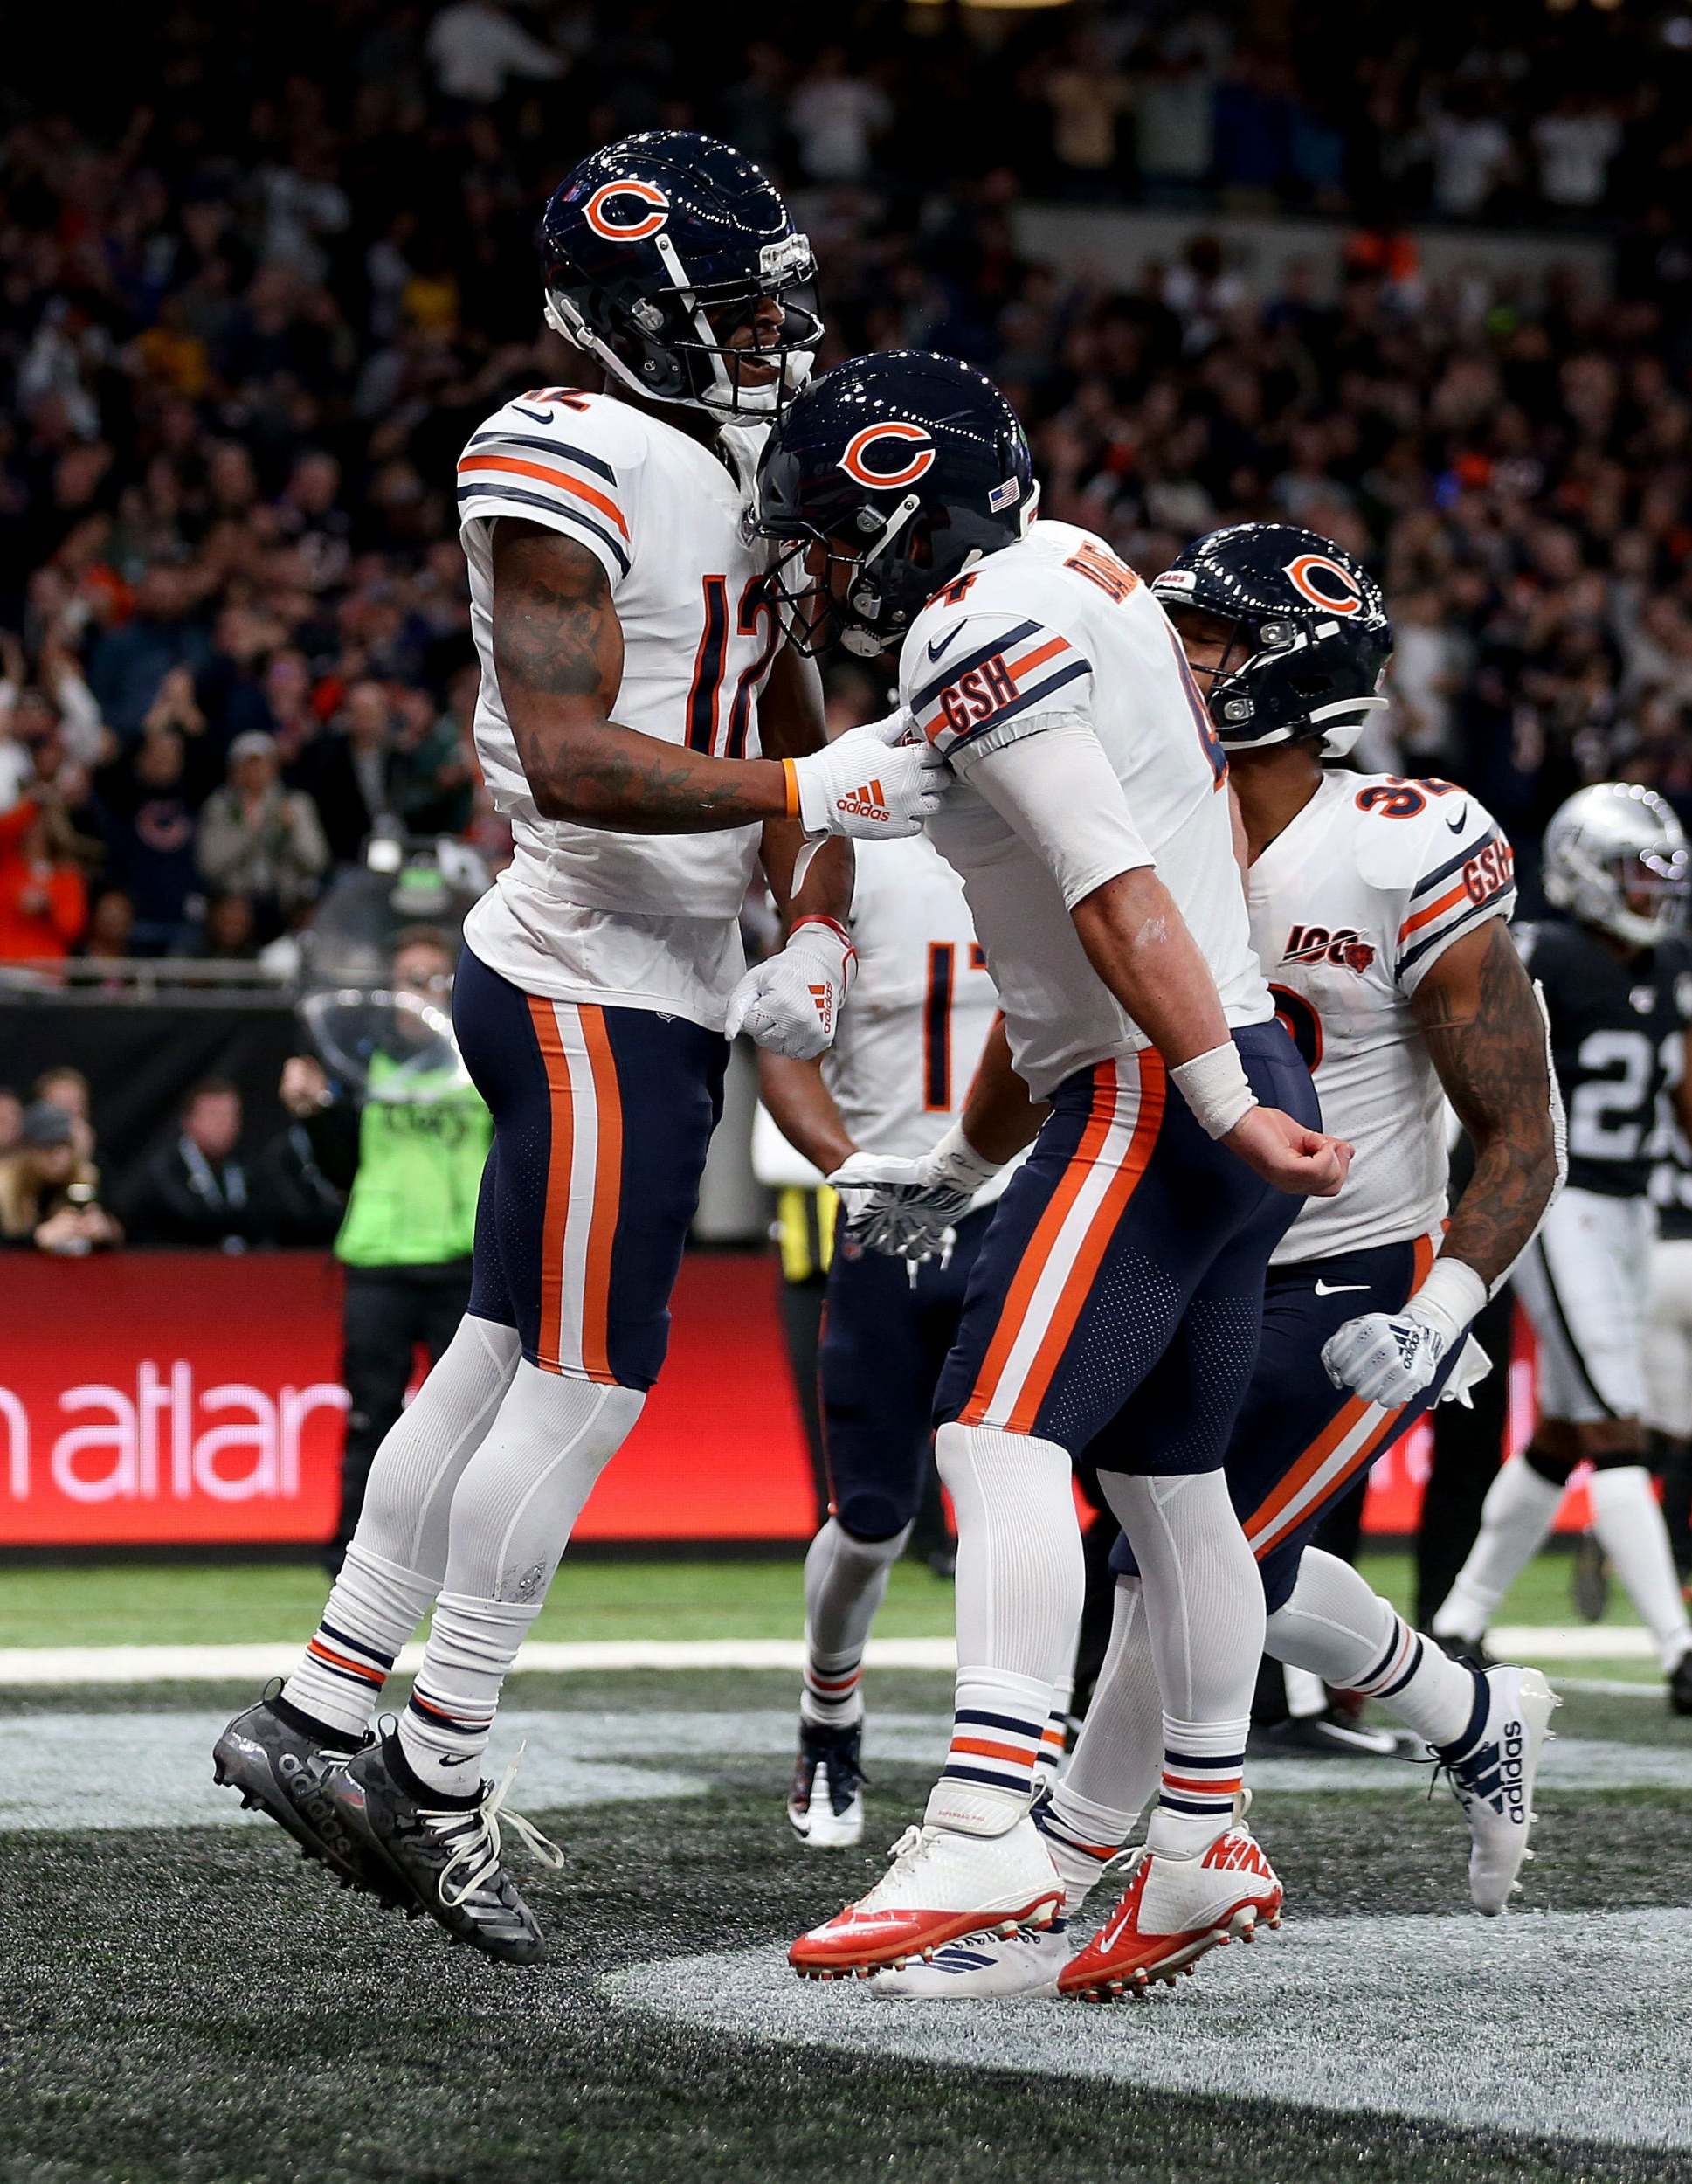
44	901
228	932
1471	154
68	1090
474	46
1575	143
350	773
835	118
260	840
147	803
49	1193
11	1118
109	936
193	1190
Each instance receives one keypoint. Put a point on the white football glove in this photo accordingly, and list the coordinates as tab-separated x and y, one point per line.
870	783
792	1003
1387	1358
907	1209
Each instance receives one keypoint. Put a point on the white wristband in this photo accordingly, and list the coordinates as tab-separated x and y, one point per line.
955	1163
1214	1085
1449	1298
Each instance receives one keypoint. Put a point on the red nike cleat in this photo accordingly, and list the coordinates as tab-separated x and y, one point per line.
1172	1911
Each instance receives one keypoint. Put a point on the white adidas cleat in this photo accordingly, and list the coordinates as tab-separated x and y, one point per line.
940	1885
1494	1782
826	1798
986	1967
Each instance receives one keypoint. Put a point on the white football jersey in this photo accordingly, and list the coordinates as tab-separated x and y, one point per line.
1057	625
585	913
1351	907
921	1006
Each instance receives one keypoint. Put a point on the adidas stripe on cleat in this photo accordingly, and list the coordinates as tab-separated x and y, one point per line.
1493	1781
1174	1911
282	1771
988	1968
940	1886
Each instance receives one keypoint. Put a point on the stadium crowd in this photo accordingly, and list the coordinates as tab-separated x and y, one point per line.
247	331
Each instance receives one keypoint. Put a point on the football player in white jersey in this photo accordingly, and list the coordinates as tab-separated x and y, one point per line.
1120	1280
1619	992
1379	907
633	677
923	1009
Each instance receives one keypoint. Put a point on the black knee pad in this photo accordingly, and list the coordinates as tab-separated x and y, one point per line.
1620	1459
871	1515
1553	1469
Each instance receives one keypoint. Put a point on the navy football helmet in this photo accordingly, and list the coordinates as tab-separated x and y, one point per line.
1311	636
902	469
659	250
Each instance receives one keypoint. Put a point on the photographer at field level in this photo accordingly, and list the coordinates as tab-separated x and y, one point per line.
412	1167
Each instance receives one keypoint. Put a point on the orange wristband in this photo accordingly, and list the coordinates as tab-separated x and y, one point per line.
790	775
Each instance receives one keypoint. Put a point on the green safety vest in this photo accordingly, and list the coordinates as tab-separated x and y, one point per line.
413	1201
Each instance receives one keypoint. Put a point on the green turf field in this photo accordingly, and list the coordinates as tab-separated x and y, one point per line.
183	1603
184	2000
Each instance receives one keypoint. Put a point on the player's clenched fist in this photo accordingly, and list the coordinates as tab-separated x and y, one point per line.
1305	1162
870	782
792	1003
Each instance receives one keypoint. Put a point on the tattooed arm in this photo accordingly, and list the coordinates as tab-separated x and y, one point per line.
1485	1031
791	723
558	656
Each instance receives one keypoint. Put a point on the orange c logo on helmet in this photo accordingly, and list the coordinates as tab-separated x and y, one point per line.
633	231
1320	580
893	437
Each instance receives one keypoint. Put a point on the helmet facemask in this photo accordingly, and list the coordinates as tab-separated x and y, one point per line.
1253	650
861	596
1639	898
681	346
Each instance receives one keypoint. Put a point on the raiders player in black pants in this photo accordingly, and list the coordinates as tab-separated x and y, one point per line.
1669	1330
1618	990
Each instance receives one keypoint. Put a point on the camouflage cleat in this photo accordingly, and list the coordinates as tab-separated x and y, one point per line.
282	1771
447	1861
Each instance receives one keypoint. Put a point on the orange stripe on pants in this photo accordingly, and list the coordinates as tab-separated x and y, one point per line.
1095	1241
607	1195
550	1340
1014	1310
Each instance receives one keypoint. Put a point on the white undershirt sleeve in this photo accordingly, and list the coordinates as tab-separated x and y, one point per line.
1055	786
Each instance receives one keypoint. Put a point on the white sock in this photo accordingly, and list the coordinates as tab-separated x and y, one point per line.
1020	1582
1337	1627
1117	1754
1515	1519
511	1517
1204	1603
395	1566
1629	1522
845	1580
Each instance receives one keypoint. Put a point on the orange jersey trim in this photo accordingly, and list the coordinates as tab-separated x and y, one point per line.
561	478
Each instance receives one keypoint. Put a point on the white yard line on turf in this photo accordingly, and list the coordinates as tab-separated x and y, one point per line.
25	1666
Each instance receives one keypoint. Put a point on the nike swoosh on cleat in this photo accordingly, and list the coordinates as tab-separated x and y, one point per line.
1459	822
1340	1289
935	649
